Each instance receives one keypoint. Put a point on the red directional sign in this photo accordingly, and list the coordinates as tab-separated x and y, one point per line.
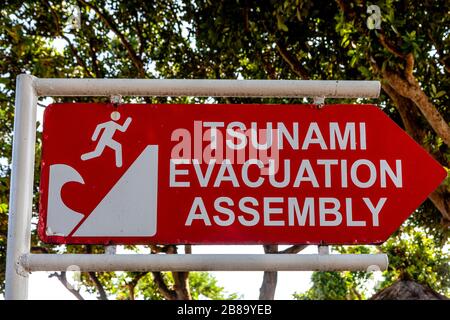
228	174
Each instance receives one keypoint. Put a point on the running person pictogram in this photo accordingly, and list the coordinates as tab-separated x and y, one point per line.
106	138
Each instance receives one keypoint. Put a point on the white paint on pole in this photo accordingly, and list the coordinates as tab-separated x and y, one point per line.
21	189
204	262
208	88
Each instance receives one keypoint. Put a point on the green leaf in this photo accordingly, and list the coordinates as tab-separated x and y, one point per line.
353	60
299	16
439	94
280	24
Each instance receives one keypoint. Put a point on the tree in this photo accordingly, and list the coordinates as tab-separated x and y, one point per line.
142	285
418	267
408	290
415	256
331	40
291	39
32	31
340	285
328	286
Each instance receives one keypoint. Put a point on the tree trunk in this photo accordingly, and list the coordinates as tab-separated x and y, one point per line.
181	286
411	120
416	94
269	284
180	289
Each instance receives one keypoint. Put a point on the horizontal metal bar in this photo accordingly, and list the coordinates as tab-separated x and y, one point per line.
207	88
204	262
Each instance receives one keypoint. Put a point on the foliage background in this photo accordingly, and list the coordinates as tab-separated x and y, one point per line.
237	39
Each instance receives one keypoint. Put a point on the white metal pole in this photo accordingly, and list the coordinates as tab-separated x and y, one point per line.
21	189
208	88
205	262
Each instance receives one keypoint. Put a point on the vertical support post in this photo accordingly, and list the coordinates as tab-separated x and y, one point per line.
323	249
21	188
110	249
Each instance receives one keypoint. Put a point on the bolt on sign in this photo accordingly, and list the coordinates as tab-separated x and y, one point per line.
228	174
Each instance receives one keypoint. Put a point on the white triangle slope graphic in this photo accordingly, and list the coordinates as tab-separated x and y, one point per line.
129	209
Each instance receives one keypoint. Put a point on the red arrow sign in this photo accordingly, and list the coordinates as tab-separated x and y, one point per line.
228	174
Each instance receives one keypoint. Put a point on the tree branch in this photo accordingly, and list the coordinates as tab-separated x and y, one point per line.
181	286
408	112
405	92
407	109
444	59
98	285
270	278
163	249
294	249
267	65
356	293
174	15
139	33
137	62
55	17
133	283
162	286
59	33
352	15
408	86
63	279
74	51
416	94
348	12
292	61
409	68
94	278
441	200
389	46
93	55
